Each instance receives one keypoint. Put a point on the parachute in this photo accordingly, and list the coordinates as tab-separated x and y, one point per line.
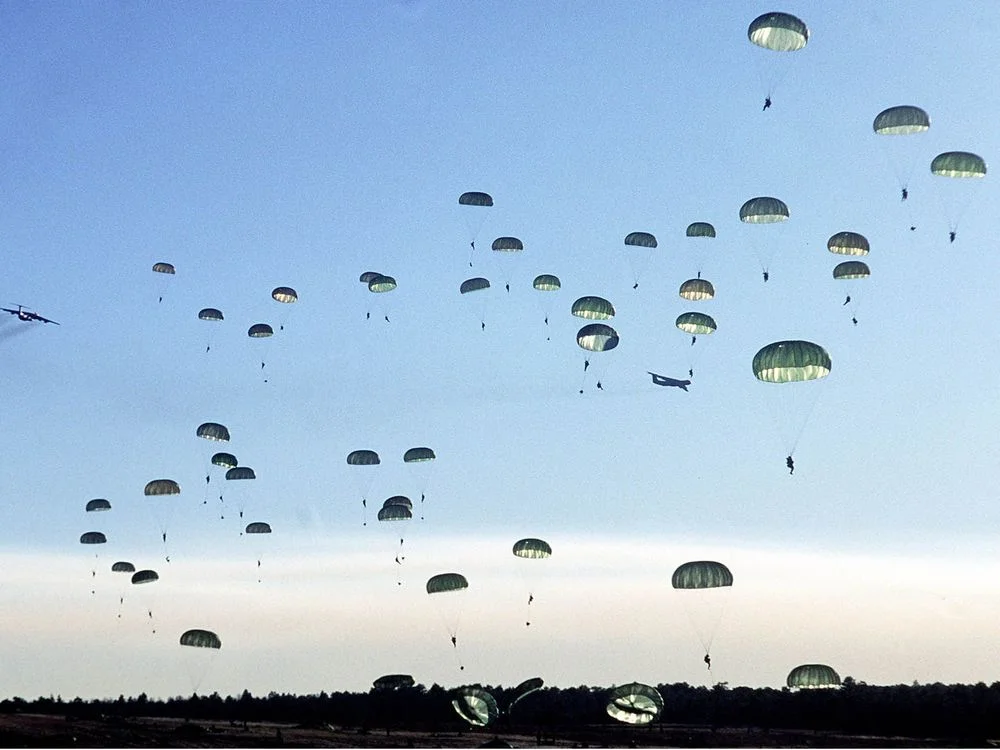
416	455
474	285
474	215
446	590
225	460
546	282
284	294
701	574
475	705
851	269
164	268
213	431
200	639
97	505
531	549
704	608
122	567
204	647
507	245
695	323
258	527
365	478
141	577
638	263
700	229
506	250
260	331
960	164
523	690
697	290
813	676
393	682
779	32
640	239
446	582
597	337
902	120
395	512
367	276
240	472
961	167
791	362
764	210
593	308
93	537
363	458
210	313
381	284
421	460
848	243
634	703
162	487
475	199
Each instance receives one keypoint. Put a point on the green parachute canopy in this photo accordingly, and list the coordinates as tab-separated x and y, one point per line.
416	455
848	243
367	276
474	285
443	582
593	308
697	290
225	460
284	294
393	682
363	458
258	527
144	576
701	574
162	487
763	210
381	284
507	245
700	229
398	500
640	239
394	512
532	549
781	32
902	120
597	337
163	268
213	431
209	313
475	705
97	505
695	323
122	567
260	331
546	282
959	164
200	639
813	676
791	362
524	689
475	199
634	703
851	269
93	537
240	472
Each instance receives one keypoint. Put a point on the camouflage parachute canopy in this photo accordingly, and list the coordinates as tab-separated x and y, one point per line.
363	458
162	487
284	294
122	566
260	331
697	290
145	576
418	455
200	639
640	239
475	705
507	245
960	164
474	198
701	574
851	269
791	362
474	285
848	243
593	308
597	337
213	431
695	323
700	229
393	682
210	313
93	537
98	504
381	284
240	472
764	210
903	120
780	32
163	268
546	282
225	460
532	549
258	527
634	703
813	676
444	582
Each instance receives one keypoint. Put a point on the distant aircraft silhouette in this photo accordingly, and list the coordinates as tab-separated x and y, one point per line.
663	380
23	314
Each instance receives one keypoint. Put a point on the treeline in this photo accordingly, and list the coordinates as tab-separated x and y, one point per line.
963	713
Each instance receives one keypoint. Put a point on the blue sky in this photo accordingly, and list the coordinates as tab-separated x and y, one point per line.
261	145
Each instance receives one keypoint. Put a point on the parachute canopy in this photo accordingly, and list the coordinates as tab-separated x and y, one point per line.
200	639
474	285
367	276
634	703
475	705
763	210
532	549
258	527
393	681
163	268
399	500
475	199
284	294
363	458
848	243
162	487
695	323
597	337
209	313
225	460
791	362
958	164
240	472
701	574
697	290
851	269
213	431
813	676
446	582
144	576
524	689
640	239
93	537
381	284
902	120
260	331
781	32
395	512
98	504
593	308
700	229
507	245
546	282
415	455
122	567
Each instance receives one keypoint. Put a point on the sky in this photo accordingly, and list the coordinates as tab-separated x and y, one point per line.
262	145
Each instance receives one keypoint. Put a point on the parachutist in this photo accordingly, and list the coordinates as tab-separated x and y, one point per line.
766	276
482	325
854	320
708	661
507	287
912	228
635	285
693	339
386	318
546	320
790	463
951	236
454	641
160	299
167	558
599	386
164	537
208	478
368	316
208	349
767	103
262	365
848	299
586	364
531	598
690	373
906	194
241	514
473	243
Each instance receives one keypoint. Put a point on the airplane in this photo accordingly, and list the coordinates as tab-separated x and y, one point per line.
23	314
662	380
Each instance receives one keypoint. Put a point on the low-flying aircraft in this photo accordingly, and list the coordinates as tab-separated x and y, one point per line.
23	314
663	380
